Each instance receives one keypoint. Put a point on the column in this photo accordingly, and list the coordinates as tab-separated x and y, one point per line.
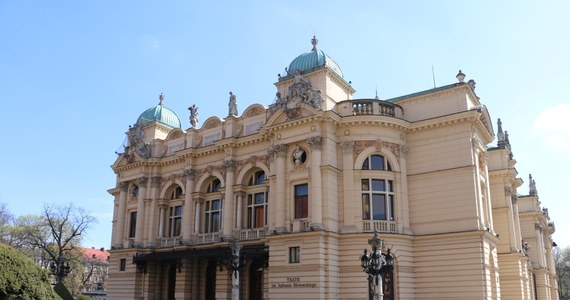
349	224
239	207
281	153
229	201
139	231
188	203
315	186
197	212
161	209
152	229
121	216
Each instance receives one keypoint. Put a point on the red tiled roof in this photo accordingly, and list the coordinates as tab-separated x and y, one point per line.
100	254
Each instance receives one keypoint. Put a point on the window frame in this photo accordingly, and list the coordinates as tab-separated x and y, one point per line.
122	264
174	221
132	224
295	255
174	212
301	202
213	206
377	170
257	187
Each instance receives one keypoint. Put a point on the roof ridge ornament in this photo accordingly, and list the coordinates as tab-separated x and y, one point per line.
314	42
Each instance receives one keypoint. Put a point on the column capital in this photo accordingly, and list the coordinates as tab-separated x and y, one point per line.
229	165
189	174
123	186
279	149
142	180
316	142
347	146
155	181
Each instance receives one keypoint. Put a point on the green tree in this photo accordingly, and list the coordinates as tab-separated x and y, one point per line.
562	265
21	278
6	219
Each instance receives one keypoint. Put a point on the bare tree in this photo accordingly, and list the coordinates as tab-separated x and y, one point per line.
57	233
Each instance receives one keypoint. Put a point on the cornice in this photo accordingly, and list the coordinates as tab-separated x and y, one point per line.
266	132
511	172
374	120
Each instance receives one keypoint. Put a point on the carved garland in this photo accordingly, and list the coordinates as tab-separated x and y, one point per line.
254	111
359	146
254	160
212	123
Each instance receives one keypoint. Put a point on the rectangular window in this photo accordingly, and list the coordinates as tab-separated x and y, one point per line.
377	199
175	221
132	224
294	255
256	210
122	264
213	215
301	201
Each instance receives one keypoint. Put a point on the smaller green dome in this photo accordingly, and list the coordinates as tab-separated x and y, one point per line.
160	114
312	60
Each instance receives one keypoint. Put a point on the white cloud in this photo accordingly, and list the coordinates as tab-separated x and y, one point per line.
554	125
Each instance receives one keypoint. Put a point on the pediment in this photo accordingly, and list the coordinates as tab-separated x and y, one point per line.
253	110
212	122
287	113
174	134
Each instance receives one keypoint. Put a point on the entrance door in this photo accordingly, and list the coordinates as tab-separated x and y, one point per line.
171	281
211	281
256	281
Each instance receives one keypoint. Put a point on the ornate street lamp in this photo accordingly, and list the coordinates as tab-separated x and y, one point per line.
376	265
59	269
233	264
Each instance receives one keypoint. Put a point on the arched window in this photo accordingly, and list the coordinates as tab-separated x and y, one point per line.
174	221
257	201
213	207
377	189
376	162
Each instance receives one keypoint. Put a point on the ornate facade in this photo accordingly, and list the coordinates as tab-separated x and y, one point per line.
280	202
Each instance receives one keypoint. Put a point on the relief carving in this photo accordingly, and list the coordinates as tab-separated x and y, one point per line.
359	146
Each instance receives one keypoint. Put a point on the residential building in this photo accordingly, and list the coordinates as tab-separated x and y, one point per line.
96	272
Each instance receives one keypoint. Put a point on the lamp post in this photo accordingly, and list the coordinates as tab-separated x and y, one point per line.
233	264
376	265
59	269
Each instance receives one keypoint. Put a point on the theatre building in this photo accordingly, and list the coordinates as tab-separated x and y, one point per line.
280	201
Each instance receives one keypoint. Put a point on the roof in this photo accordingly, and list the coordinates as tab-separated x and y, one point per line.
437	89
160	114
100	254
314	59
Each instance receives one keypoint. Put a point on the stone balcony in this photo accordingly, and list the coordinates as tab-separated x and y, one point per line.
360	107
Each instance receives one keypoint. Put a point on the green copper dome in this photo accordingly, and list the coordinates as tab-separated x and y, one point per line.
312	60
160	114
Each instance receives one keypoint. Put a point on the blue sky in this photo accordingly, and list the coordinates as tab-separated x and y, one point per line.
75	74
